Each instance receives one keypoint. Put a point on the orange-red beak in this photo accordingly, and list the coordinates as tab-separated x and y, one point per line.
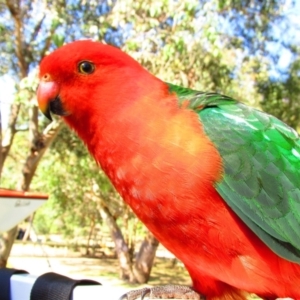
47	92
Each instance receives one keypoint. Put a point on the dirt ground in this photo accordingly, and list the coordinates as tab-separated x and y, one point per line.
38	259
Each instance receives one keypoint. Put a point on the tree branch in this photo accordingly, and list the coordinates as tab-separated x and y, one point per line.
39	144
36	29
126	272
15	11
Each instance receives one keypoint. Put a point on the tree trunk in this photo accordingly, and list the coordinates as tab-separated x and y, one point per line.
28	229
145	258
40	143
92	228
6	242
123	253
9	135
140	271
0	145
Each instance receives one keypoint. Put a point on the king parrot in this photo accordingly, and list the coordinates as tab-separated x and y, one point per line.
217	182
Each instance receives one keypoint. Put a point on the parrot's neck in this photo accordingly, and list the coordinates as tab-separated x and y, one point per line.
147	144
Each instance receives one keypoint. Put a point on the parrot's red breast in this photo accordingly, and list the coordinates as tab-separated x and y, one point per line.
158	157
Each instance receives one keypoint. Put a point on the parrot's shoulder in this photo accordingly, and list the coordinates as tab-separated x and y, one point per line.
198	101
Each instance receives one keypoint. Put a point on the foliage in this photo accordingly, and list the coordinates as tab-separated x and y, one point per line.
175	42
267	30
69	175
12	171
255	25
282	99
30	29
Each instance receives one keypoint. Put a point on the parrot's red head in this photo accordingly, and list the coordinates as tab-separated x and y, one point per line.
85	76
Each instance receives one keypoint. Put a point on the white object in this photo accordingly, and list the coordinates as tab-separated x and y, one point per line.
15	206
21	285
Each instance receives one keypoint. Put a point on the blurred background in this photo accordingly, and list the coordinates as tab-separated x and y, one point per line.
245	49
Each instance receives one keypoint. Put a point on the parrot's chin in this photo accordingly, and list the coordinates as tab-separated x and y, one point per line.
56	107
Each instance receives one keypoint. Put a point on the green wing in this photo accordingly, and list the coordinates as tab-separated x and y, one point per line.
261	158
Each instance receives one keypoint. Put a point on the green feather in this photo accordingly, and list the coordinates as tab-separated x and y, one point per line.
261	160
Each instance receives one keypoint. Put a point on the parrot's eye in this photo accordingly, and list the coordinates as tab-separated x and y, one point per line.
86	67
